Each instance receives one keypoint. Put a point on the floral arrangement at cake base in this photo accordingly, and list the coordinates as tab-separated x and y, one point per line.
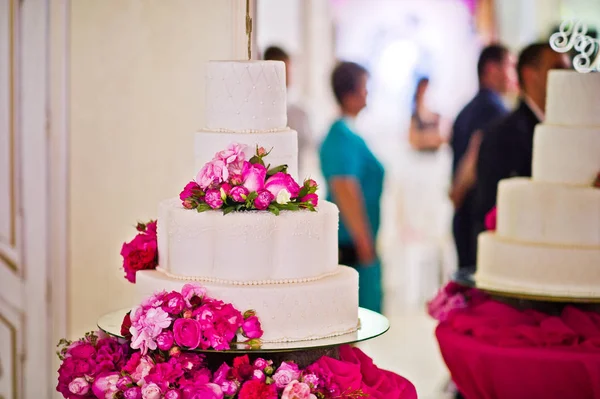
231	183
156	359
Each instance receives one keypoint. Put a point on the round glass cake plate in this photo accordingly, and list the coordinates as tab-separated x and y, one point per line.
371	325
466	277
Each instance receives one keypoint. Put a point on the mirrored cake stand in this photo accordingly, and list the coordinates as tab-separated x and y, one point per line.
371	325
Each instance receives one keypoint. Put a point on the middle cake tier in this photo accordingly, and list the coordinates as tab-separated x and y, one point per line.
247	248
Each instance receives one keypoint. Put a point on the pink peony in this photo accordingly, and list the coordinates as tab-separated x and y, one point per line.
311	379
213	199
105	385
261	363
151	391
263	200
312	198
133	393
187	333
253	176
139	367
490	219
212	174
239	193
282	181
297	390
173	303
286	373
252	328
165	340
233	157
145	330
173	394
229	387
79	386
257	390
191	291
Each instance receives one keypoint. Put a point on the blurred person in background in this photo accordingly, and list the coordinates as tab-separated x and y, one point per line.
296	115
496	73
507	146
354	178
424	134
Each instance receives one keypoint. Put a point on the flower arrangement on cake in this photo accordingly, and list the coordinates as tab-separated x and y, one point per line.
155	359
141	253
232	183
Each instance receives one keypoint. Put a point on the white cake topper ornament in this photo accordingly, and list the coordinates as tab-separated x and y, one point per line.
572	34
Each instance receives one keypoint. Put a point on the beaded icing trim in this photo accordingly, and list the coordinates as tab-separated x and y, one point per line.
314	337
245	131
250	282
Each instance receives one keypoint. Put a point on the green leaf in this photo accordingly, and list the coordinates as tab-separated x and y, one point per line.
203	207
273	209
277	169
303	192
228	209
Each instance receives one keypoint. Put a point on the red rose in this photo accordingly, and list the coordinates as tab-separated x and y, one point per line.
125	325
257	390
139	254
242	369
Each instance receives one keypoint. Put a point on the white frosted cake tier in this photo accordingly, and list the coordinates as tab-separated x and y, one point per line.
246	95
566	154
572	99
547	213
284	145
537	269
289	312
247	247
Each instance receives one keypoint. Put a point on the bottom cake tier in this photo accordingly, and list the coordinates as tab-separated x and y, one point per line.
288	312
522	268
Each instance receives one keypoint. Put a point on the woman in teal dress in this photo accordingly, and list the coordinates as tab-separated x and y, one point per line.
354	183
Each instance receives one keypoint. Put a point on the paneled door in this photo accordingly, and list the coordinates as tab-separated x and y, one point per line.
25	349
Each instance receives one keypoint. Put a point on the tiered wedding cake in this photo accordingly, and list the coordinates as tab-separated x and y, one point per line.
547	240
282	266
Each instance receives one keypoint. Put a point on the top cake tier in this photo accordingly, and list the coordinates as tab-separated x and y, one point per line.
573	99
246	96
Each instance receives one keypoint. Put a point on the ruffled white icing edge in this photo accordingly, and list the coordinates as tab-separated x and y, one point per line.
247	282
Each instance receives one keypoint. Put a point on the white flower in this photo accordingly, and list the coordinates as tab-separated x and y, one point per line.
283	197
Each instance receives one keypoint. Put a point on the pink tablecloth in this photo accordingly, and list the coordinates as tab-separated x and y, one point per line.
494	351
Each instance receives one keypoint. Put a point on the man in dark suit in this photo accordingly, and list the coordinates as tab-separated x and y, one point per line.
495	70
507	147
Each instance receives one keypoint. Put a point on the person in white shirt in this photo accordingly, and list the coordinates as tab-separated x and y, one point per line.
297	117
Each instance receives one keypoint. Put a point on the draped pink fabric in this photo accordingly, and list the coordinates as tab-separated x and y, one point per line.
494	351
356	370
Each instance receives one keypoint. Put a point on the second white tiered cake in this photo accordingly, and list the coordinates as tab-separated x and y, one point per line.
285	266
547	240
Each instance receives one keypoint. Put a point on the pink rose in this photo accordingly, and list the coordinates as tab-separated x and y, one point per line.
282	181
187	333
253	176
141	369
151	391
79	386
251	328
310	183
225	190
239	193
123	383
165	340
105	385
312	198
191	291
191	190
133	393
261	363
285	374
261	152
173	394
490	219
213	199
173	303
259	375
233	157
297	390
229	387
212	174
263	200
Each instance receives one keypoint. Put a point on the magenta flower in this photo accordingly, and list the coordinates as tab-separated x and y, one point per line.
191	190
285	374
173	394
139	254
490	219
105	385
79	386
254	176
282	181
252	328
145	330
263	200
133	393
212	174
187	333
239	193
296	390
173	303
311	198
192	291
151	391
213	199
165	340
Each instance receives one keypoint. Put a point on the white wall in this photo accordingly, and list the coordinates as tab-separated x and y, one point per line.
136	97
